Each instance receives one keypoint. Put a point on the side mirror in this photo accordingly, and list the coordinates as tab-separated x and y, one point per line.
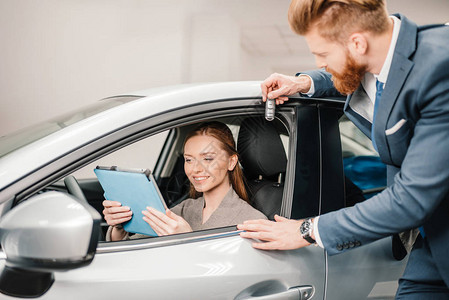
49	232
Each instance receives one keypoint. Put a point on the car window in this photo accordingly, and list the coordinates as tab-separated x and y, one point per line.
364	171
354	142
141	154
172	182
16	140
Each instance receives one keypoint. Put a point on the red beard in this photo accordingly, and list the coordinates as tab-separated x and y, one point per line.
350	78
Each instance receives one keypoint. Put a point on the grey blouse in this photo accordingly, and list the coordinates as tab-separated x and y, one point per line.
231	211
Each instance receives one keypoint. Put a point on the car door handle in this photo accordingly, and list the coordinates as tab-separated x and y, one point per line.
294	293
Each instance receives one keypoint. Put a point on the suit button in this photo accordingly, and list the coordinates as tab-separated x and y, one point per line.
351	244
339	247
345	246
357	243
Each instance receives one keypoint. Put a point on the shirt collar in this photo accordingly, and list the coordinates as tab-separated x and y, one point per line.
383	75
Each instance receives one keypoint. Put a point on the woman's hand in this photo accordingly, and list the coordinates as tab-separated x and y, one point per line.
115	214
165	224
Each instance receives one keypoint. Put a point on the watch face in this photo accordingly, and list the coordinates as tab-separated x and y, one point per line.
305	227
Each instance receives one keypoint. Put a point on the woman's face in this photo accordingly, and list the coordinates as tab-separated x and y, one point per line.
206	163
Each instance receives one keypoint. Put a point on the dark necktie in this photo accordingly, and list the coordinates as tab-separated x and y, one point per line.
379	89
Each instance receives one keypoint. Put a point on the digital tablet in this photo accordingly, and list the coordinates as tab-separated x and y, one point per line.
135	188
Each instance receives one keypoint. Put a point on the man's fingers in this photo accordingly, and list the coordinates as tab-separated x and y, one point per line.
280	219
270	84
275	94
265	246
258	221
264	87
281	100
255	225
258	235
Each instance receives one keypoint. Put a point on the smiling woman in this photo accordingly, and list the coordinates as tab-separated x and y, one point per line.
217	190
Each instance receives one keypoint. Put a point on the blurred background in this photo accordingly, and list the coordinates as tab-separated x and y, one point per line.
59	55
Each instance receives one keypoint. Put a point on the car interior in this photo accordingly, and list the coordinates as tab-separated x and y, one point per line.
364	171
262	151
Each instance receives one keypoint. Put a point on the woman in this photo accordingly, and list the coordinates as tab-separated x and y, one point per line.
217	190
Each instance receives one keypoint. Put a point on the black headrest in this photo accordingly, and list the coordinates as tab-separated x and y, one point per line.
260	148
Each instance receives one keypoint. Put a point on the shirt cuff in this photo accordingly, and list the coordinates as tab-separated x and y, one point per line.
316	233
312	86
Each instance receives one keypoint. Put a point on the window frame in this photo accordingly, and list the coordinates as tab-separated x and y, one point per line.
86	153
285	116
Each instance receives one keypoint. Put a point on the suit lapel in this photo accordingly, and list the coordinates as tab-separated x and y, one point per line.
359	109
399	70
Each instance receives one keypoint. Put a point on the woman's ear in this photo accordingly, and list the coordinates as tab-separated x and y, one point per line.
233	160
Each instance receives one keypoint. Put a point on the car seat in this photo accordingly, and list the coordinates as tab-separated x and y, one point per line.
176	188
263	159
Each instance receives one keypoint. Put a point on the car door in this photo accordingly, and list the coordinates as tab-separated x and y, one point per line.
371	271
211	264
217	265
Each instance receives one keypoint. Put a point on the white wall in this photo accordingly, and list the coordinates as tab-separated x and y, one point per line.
57	55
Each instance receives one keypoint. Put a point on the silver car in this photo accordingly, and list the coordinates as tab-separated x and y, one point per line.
52	230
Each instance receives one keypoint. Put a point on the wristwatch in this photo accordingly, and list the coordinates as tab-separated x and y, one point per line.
306	229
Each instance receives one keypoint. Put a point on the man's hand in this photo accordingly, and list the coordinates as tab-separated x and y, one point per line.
279	86
280	235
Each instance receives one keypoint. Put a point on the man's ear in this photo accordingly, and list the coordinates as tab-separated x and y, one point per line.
233	160
358	44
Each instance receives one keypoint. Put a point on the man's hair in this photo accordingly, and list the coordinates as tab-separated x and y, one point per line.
336	20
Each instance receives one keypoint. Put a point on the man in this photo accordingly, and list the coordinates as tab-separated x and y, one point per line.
396	76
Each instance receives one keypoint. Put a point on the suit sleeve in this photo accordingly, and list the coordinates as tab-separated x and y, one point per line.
418	188
323	83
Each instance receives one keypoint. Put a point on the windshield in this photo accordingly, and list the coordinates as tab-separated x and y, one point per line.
18	139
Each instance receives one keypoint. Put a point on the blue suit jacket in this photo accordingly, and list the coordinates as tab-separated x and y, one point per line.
412	136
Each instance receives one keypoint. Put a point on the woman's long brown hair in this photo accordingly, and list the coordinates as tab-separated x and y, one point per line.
223	134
